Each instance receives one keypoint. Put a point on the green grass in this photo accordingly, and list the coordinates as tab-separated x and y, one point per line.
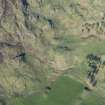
65	91
97	47
94	99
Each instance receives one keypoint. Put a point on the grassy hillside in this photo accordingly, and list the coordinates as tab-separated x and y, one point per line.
44	46
64	91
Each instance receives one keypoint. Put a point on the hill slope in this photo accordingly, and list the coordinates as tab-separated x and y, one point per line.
41	40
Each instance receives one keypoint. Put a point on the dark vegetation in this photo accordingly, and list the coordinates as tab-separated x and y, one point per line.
25	6
95	63
25	3
22	56
66	48
2	102
87	88
98	27
51	23
1	57
48	89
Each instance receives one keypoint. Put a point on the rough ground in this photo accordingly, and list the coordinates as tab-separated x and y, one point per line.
41	40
